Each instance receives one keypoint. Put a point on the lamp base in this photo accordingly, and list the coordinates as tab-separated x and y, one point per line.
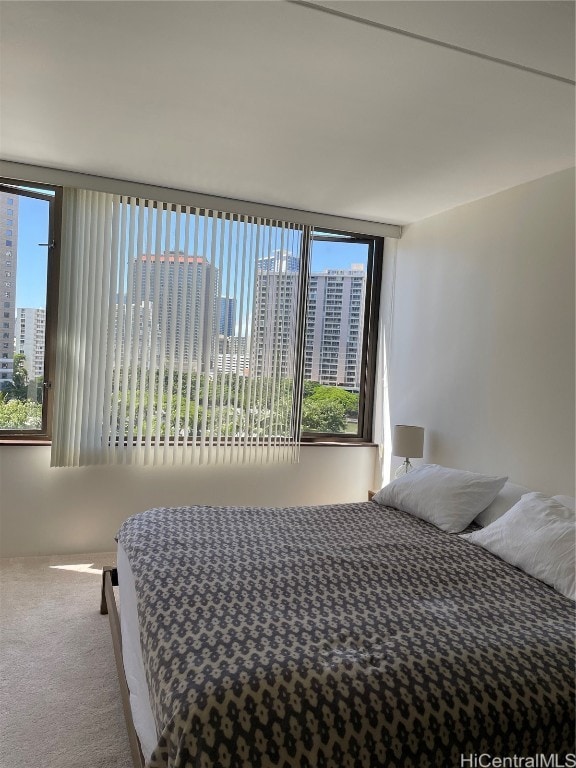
404	468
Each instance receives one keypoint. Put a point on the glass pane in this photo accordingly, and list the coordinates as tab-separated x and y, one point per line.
24	223
205	327
334	333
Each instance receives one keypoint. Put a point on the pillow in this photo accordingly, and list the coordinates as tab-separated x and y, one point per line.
505	500
568	501
538	536
448	498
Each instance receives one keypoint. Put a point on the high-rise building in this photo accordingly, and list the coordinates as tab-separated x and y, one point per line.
30	337
279	261
135	320
227	316
230	363
275	313
334	320
8	265
334	326
183	292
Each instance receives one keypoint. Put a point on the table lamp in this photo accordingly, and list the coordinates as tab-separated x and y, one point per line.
407	441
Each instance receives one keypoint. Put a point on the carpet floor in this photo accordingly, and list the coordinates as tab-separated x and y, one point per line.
60	701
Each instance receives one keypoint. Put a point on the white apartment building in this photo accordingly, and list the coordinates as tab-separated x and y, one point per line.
134	321
275	313
8	264
334	326
30	339
334	320
230	363
185	291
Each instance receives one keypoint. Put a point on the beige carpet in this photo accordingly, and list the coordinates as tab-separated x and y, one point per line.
59	697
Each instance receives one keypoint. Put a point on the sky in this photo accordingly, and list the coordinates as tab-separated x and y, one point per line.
32	258
337	255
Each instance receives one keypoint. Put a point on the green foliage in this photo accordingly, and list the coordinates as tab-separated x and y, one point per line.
17	389
20	414
225	406
310	387
348	400
327	409
16	410
323	415
324	408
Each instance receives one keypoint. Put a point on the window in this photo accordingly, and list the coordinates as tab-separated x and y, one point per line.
340	341
335	343
29	290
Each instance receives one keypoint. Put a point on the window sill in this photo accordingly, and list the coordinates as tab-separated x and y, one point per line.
338	443
322	443
24	441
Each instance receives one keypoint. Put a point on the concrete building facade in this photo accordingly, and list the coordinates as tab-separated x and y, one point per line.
334	320
183	292
275	314
30	339
334	326
8	267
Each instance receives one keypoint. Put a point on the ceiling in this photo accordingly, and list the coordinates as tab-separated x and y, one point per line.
292	105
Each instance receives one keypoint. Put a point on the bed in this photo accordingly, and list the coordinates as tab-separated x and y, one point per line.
332	636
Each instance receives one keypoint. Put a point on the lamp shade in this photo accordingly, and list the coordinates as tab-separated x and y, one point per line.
408	441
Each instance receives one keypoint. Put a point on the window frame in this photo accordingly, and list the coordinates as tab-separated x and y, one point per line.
371	309
363	436
33	190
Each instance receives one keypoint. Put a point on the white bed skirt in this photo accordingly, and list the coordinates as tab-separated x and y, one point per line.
132	656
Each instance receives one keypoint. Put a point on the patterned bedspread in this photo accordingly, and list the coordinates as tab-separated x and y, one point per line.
343	636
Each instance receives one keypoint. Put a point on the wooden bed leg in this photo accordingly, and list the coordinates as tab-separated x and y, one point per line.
114	577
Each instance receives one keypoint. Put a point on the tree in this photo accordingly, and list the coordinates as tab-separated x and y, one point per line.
17	389
323	415
348	400
310	387
19	414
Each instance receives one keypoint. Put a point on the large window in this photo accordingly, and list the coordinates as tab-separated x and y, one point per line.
28	281
221	329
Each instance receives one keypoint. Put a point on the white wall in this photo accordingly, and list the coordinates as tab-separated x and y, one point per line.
482	350
59	511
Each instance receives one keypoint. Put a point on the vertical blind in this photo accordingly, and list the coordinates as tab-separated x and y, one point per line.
177	334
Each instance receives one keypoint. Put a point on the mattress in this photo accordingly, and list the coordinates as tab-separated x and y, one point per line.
343	635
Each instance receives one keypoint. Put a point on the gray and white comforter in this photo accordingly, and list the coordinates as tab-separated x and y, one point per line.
343	636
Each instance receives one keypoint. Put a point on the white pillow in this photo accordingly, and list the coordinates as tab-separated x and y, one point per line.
505	500
537	535
448	498
568	501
